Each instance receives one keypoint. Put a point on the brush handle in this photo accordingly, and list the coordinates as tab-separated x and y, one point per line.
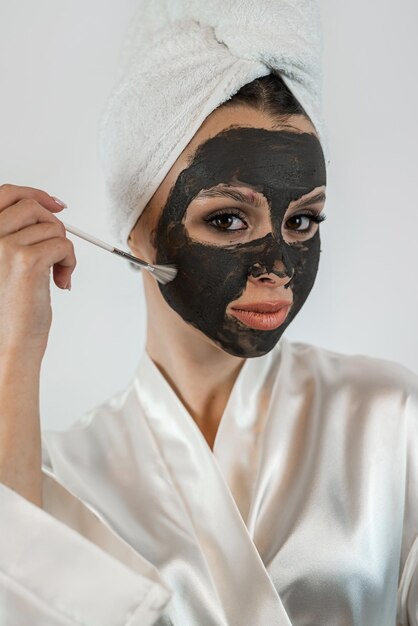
106	246
87	237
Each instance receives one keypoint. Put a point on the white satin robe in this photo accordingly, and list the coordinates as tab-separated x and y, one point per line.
304	514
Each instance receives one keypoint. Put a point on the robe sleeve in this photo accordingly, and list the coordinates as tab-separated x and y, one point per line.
408	585
64	566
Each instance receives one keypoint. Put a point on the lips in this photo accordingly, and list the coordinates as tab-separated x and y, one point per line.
263	307
262	315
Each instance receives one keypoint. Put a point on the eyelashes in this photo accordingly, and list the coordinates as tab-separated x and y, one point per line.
223	214
215	220
314	218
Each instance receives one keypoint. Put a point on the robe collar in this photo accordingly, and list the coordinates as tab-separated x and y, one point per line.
216	488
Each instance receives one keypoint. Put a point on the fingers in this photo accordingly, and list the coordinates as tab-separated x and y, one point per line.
11	194
29	228
38	258
14	219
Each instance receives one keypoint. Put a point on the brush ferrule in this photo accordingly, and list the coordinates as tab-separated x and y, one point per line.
132	258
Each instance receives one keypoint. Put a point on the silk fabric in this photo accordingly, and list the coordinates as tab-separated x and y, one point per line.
304	514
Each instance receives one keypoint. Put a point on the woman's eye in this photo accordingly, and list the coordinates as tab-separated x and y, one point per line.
227	222
304	218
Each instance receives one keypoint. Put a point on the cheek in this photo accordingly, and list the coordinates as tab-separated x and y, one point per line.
143	239
214	272
207	281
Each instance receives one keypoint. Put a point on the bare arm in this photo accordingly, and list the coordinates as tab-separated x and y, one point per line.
20	436
32	243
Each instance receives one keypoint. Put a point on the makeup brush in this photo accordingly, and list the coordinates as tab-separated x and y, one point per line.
162	273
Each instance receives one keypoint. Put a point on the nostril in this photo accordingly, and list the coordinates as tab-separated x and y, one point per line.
270	271
257	270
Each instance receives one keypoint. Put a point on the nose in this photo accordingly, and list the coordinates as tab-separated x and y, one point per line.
277	274
272	264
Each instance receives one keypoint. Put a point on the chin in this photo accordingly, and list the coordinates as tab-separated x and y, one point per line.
248	349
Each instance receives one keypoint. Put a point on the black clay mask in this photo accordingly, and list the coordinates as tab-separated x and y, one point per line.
283	166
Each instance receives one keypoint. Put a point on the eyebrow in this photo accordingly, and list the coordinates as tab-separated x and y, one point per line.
318	197
253	198
234	194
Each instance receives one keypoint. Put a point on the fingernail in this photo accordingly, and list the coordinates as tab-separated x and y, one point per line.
69	285
60	202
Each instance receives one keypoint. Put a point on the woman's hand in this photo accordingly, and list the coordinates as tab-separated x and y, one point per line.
32	240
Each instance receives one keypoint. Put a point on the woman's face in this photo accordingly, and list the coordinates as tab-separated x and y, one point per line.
235	214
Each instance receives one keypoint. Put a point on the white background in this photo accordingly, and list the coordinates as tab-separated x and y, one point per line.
58	62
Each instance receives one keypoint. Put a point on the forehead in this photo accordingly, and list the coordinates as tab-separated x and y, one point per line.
216	125
257	156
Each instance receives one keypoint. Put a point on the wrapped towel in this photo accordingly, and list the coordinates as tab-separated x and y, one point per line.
182	59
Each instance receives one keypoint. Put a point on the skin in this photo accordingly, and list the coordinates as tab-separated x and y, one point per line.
271	260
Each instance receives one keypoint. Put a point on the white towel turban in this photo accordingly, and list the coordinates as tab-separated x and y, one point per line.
183	58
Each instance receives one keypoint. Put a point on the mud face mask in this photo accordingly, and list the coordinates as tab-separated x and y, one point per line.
281	165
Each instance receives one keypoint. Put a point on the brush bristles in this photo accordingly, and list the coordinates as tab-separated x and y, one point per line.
163	273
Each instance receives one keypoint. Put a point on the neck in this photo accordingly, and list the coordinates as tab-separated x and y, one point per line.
201	374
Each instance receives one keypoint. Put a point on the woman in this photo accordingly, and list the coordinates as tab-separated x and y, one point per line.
240	477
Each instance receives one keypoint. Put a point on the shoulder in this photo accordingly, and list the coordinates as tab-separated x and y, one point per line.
364	371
